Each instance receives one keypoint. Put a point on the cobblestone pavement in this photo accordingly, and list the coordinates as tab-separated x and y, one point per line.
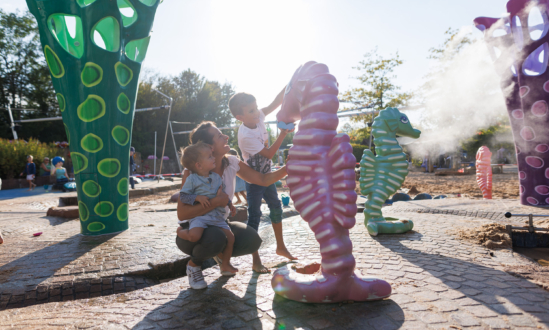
493	209
438	282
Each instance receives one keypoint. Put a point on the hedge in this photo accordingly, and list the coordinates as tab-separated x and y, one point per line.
13	155
358	150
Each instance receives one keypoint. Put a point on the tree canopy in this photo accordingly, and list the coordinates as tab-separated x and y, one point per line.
378	89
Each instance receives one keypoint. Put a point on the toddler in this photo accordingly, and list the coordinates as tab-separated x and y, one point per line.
30	172
199	187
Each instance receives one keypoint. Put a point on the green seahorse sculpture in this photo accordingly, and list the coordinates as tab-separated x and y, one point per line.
94	50
382	175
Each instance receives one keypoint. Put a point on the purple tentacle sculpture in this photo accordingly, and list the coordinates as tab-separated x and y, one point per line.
321	178
520	49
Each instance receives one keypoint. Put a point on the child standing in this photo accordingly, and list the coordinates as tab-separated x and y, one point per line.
30	172
199	187
240	185
253	141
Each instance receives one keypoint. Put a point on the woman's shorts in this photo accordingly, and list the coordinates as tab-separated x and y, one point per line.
30	177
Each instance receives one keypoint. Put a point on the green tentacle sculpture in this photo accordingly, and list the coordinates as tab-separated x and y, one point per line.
382	175
94	50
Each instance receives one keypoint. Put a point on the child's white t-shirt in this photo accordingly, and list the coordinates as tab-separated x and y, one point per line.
251	142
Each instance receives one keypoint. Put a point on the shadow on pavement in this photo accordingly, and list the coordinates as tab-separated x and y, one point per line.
482	291
44	260
218	308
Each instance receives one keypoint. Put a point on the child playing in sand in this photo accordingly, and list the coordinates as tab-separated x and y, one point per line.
199	187
30	172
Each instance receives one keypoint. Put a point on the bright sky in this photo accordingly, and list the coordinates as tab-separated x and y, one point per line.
257	45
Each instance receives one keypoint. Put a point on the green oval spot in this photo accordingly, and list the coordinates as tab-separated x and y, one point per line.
123	103
121	135
123	73
93	108
79	162
122	212
91	188
104	209
109	167
83	211
61	101
96	226
91	143
123	186
54	63
91	75
68	134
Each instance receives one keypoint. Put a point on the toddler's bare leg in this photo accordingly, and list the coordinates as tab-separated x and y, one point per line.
228	252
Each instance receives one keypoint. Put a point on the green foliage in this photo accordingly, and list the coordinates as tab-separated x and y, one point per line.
286	155
358	150
13	155
195	99
25	79
494	137
378	89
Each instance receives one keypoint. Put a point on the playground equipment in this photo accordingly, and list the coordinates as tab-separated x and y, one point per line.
382	175
484	171
95	63
321	178
519	46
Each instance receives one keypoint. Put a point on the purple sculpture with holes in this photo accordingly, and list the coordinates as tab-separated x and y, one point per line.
519	47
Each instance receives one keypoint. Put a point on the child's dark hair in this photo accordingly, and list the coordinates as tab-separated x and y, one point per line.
192	154
238	100
234	153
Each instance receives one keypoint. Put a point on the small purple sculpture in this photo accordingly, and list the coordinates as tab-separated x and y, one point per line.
519	45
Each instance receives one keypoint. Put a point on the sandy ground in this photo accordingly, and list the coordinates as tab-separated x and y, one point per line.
503	186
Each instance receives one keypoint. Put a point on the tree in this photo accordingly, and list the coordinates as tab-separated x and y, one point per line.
378	89
25	79
195	99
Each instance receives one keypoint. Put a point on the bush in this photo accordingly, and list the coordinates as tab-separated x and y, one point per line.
286	155
13	155
358	150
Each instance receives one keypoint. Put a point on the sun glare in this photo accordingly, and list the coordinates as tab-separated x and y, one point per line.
261	42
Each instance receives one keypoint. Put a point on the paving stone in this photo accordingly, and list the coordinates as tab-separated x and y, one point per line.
481	311
431	318
521	321
250	315
465	319
506	309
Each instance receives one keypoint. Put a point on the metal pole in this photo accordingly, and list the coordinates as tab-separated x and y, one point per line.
12	124
175	148
166	136
154	167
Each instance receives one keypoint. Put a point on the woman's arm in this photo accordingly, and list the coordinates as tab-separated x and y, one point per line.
187	212
250	175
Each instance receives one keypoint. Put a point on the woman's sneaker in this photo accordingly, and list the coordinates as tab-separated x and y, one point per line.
196	279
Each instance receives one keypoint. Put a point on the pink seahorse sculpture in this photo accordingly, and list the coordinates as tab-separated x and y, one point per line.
484	171
321	178
519	46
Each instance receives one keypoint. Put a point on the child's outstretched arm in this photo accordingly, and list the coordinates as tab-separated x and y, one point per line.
271	151
275	104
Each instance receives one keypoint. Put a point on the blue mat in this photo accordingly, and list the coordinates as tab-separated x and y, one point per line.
16	193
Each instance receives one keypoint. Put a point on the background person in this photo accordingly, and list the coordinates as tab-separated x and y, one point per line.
45	167
240	185
30	172
213	240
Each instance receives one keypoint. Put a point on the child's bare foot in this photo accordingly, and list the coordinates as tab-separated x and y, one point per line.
259	268
283	252
227	267
183	233
1	238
